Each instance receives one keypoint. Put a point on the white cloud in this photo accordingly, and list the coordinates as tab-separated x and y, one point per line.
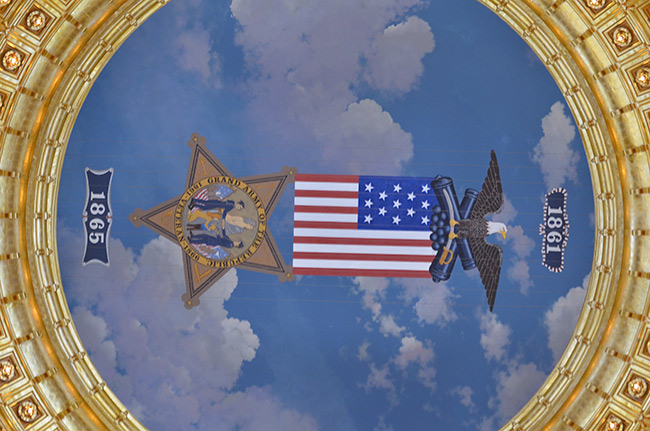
95	334
487	424
434	302
363	354
239	340
172	369
413	351
381	426
373	290
387	326
234	413
194	54
435	305
557	161
522	244
395	57
306	59
368	137
508	212
379	379
465	394
192	44
495	336
515	387
519	272
426	376
562	317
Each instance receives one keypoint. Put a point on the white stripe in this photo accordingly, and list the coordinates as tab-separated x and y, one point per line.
343	218
334	187
363	249
326	202
359	233
361	264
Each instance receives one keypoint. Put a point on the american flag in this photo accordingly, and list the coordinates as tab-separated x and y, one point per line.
362	226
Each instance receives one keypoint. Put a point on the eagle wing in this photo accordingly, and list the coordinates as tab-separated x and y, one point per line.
488	259
490	198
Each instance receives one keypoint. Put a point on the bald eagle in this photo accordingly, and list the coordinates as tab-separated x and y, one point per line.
476	228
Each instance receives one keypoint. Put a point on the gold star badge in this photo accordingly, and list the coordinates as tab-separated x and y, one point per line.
220	222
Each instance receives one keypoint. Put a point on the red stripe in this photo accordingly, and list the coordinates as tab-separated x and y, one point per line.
321	209
324	225
362	241
365	257
328	178
325	194
361	272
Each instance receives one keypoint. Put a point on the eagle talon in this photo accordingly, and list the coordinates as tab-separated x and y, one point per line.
453	222
452	235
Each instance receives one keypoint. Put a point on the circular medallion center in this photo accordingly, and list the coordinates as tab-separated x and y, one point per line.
220	222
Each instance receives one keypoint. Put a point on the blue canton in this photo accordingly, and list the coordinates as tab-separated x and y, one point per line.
395	203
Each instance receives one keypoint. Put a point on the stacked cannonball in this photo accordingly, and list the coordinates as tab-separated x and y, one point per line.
439	228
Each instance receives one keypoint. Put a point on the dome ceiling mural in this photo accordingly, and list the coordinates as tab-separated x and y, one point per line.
339	215
331	90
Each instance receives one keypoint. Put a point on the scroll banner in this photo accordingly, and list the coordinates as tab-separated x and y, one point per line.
97	216
554	230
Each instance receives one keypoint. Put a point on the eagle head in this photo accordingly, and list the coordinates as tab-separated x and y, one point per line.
497	227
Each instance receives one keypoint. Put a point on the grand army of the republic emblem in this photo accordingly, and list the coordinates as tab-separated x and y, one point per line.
220	221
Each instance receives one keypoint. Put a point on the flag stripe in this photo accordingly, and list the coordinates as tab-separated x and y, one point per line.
326	194
361	264
332	187
339	230
328	178
363	249
322	225
353	256
361	272
330	210
326	202
202	195
363	241
345	218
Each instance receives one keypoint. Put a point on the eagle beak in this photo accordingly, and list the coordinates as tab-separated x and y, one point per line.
503	233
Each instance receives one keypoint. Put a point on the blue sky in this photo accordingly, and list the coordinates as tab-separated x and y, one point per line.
388	87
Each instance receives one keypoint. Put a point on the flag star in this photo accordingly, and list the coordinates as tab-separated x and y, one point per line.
396	220
397	203
369	187
425	220
383	196
397	188
425	205
410	212
382	211
368	203
426	188
367	218
411	196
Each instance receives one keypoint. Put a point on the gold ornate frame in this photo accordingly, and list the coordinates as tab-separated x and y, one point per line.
47	65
